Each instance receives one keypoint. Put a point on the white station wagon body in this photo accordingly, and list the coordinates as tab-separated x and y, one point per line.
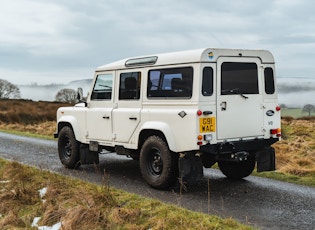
218	104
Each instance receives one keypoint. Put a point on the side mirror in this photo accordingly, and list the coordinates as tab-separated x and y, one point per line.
80	95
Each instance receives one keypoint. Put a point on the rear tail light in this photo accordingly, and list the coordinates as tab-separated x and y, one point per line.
276	132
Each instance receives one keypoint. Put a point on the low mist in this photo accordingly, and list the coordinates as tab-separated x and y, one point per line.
48	92
293	92
296	92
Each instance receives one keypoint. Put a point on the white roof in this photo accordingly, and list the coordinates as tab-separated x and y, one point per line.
191	56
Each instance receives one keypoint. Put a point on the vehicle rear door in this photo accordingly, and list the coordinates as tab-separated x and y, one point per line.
239	98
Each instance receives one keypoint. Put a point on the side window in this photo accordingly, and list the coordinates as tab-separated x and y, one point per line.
103	87
129	87
207	81
269	81
170	83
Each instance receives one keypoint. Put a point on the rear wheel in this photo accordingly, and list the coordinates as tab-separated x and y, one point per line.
237	170
158	165
68	148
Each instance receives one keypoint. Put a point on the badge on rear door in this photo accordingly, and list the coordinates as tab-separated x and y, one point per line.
270	113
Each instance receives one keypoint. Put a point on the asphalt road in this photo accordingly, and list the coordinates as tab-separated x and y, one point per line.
259	202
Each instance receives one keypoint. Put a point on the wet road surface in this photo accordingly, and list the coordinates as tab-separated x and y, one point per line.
259	202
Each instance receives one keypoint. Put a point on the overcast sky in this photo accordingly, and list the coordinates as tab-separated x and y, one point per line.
57	41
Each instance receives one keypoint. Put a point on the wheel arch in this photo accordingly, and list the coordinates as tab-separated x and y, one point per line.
72	123
164	131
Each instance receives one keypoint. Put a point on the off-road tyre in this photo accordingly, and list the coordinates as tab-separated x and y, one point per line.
158	165
68	148
237	170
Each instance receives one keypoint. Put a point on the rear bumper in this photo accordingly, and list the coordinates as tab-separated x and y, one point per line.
237	146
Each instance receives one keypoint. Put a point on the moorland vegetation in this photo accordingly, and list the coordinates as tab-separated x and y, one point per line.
295	153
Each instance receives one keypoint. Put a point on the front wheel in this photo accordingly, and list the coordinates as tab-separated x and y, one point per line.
158	165
237	170
68	148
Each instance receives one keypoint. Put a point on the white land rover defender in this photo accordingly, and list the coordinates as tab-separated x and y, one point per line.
177	112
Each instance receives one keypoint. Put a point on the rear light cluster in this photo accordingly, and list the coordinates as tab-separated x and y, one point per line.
276	132
206	137
199	137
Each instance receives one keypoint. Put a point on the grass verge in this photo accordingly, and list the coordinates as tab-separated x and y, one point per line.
286	177
76	204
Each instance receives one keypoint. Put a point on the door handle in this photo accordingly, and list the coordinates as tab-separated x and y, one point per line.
223	105
133	118
105	117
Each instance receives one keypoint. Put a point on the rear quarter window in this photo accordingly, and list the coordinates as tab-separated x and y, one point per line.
269	81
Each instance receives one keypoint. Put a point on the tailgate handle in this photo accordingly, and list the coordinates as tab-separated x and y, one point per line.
105	117
133	118
223	105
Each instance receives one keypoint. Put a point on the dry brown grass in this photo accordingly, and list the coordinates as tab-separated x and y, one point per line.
46	128
80	205
28	112
296	151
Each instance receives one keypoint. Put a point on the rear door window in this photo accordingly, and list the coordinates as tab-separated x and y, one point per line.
239	77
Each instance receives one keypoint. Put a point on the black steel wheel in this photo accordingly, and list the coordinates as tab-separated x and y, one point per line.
68	148
237	170
159	166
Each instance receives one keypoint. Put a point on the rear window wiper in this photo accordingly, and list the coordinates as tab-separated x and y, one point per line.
235	91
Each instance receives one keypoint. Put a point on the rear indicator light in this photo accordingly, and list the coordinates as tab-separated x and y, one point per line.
199	137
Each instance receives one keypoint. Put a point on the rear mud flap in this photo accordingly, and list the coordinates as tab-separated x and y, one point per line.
266	160
190	169
87	156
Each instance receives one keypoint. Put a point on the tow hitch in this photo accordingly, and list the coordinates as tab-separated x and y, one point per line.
240	156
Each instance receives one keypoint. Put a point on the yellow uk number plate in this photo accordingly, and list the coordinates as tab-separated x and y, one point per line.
206	124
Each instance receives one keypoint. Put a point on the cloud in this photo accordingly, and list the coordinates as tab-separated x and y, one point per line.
40	28
61	36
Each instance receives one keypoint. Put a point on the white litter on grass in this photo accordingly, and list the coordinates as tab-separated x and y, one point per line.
4	181
42	192
54	227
